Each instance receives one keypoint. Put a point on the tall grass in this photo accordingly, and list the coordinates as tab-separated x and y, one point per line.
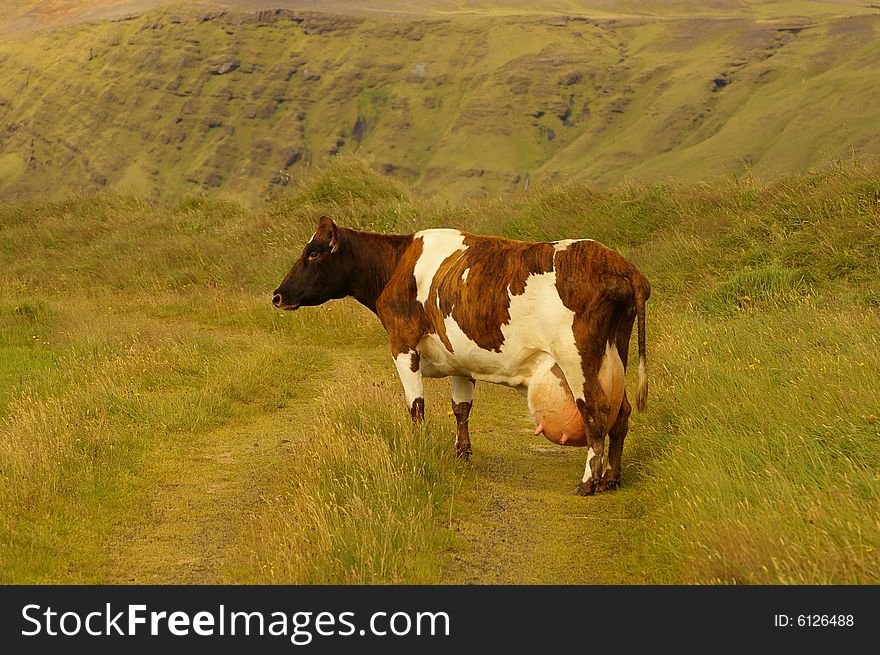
367	506
127	331
768	284
761	455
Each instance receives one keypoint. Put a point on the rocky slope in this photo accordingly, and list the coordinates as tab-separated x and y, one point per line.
193	99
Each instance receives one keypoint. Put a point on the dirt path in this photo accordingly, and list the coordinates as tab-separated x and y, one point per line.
201	489
516	518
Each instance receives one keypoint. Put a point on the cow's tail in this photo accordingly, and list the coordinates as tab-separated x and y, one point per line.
641	291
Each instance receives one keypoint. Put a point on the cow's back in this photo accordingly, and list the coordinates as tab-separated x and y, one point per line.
490	304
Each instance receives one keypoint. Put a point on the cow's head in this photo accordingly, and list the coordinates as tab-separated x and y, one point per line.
320	274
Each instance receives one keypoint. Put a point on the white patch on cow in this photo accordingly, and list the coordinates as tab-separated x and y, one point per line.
462	390
563	244
569	360
465	274
314	234
437	246
413	386
588	471
539	332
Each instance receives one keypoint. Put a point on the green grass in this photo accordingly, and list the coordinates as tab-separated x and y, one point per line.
368	505
770	284
767	448
161	422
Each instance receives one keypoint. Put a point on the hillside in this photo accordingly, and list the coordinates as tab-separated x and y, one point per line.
455	98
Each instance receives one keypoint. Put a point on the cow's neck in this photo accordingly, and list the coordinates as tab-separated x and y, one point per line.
375	258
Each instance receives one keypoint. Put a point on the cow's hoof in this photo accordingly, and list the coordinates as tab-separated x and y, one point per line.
607	485
584	489
464	455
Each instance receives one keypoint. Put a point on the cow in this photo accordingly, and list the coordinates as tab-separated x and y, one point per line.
551	319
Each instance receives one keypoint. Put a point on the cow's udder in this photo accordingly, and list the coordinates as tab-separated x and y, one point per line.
553	408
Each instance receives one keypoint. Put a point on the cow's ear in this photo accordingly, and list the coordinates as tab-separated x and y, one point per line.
328	230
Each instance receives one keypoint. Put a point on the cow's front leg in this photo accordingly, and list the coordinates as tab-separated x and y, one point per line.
413	388
462	401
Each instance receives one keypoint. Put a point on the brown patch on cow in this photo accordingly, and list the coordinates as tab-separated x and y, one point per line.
480	304
402	316
599	285
462	437
417	411
414	361
375	261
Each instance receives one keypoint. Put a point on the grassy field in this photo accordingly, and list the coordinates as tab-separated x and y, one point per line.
455	98
162	423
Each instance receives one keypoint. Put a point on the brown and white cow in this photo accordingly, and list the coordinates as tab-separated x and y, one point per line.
550	319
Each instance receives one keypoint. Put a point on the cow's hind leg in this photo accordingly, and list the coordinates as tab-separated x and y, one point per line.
616	436
595	410
462	400
592	480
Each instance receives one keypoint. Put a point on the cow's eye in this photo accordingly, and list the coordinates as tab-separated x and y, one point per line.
314	255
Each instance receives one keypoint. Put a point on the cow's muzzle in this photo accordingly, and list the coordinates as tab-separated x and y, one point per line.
278	301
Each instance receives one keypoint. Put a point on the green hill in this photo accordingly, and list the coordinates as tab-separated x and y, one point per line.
466	98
